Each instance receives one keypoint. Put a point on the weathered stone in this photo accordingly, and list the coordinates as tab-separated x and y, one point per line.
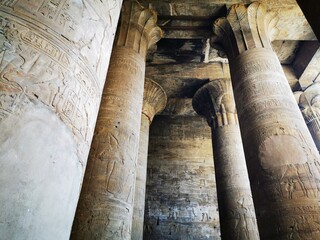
154	101
181	80
179	107
309	103
282	159
215	102
54	57
181	201
192	18
106	201
307	63
311	10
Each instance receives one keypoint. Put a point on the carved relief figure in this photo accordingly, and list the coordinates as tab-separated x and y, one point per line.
292	183
242	214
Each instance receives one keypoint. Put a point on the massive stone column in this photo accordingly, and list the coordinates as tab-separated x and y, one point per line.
282	159
154	101
236	211
106	201
309	103
54	57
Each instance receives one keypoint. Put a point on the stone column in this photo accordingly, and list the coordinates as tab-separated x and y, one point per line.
154	101
54	57
236	211
309	103
282	159
106	201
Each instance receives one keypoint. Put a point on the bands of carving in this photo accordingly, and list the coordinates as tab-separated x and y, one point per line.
37	67
110	176
85	29
282	160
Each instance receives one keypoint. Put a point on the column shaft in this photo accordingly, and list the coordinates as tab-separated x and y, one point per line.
105	205
106	201
140	190
154	101
282	158
236	211
54	58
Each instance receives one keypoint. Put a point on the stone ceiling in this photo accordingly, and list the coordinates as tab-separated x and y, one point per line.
184	59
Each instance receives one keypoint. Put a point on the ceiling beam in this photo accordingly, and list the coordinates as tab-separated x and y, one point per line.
311	9
307	63
173	14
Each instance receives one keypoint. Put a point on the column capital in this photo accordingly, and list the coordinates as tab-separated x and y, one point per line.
309	102
215	102
138	28
154	99
246	27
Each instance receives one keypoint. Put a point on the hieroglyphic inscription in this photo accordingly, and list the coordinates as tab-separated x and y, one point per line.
237	216
50	74
180	175
132	67
257	67
85	27
50	8
246	92
255	108
53	61
114	151
42	44
282	160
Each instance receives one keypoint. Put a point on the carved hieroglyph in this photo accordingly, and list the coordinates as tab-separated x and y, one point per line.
154	101
106	202
309	103
282	159
181	199
53	62
237	215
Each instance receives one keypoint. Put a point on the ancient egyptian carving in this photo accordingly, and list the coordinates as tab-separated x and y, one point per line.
246	28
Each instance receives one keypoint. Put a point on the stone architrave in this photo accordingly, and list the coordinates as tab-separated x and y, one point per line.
236	211
154	101
309	103
54	57
106	202
282	159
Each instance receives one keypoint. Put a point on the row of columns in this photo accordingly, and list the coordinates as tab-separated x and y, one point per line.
282	159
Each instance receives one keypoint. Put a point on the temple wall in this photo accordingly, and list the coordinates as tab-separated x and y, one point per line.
181	201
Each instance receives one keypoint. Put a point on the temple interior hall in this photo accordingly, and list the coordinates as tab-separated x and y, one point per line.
159	120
